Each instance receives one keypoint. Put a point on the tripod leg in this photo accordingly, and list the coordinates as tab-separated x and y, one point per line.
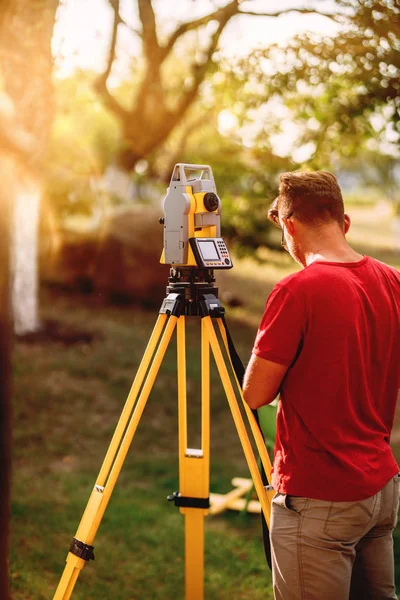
194	469
182	395
130	403
132	396
264	497
81	548
262	450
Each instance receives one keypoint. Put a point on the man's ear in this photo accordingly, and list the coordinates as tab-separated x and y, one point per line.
289	226
347	223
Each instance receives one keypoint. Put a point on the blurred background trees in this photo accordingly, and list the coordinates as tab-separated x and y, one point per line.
179	85
334	98
342	91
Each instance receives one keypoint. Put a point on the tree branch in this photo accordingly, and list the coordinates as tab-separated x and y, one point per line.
199	70
111	55
129	27
149	33
101	82
278	13
218	15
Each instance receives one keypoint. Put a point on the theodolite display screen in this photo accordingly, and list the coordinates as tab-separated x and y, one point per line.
211	253
208	250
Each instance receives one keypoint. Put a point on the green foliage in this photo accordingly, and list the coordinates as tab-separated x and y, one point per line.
246	203
334	86
83	141
331	88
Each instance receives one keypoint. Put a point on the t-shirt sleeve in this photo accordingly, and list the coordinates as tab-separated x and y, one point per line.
281	329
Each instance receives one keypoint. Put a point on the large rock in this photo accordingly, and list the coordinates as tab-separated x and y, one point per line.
127	264
121	260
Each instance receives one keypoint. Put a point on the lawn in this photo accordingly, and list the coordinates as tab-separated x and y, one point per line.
69	390
68	397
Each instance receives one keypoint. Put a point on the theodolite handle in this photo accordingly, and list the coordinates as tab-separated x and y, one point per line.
182	170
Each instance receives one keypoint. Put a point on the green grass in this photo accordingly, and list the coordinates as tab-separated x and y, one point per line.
66	404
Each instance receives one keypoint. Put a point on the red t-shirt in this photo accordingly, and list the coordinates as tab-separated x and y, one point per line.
337	327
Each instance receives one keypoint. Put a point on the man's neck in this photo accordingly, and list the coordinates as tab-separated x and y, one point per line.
341	254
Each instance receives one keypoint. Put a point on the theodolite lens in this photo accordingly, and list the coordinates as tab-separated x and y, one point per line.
211	201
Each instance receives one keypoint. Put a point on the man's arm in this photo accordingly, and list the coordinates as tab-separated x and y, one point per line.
262	381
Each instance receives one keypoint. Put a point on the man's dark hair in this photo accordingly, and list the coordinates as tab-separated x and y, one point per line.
313	198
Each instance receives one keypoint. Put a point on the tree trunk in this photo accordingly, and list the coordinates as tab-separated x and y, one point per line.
24	254
25	36
6	196
26	68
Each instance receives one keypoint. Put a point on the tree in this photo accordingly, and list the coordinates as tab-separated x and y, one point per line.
156	109
5	371
14	149
334	86
9	145
83	139
26	66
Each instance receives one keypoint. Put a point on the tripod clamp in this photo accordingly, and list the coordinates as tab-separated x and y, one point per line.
82	550
211	306
188	502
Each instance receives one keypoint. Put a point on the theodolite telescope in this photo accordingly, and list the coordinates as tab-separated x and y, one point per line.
192	220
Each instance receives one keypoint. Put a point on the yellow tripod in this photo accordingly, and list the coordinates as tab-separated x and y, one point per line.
190	293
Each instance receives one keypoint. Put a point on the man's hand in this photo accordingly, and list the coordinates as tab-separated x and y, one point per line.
262	381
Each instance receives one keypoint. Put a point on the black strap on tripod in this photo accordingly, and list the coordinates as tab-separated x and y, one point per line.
239	370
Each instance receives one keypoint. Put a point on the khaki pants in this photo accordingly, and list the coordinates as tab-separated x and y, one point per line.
334	550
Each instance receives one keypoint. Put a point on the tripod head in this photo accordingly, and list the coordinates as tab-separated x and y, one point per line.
192	215
191	291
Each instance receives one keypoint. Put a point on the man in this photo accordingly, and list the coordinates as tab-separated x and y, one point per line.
329	343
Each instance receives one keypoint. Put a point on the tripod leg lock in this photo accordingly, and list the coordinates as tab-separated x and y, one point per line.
172	305
82	550
188	502
211	306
